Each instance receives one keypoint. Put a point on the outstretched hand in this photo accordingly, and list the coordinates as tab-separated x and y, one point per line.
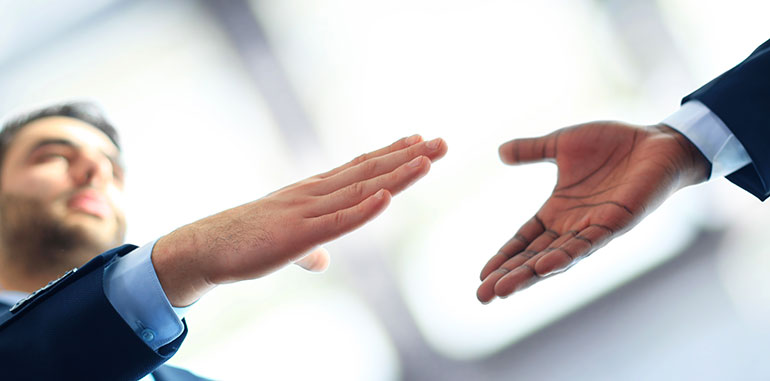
257	238
610	175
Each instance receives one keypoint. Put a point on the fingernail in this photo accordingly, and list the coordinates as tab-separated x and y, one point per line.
433	144
413	139
415	162
379	194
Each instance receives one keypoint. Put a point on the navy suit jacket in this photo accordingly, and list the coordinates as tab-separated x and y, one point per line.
741	98
69	330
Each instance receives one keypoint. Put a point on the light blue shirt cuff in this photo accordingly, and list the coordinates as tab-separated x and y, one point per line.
712	137
132	287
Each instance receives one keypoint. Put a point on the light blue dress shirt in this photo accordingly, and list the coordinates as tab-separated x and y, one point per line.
132	287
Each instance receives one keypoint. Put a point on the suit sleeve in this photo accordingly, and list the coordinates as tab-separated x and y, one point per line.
69	329
741	99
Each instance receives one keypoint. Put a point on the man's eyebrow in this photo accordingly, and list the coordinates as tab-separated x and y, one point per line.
53	141
115	160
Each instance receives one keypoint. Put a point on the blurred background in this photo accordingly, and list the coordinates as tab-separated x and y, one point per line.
222	102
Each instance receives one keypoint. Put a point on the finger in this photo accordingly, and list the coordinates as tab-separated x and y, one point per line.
486	291
529	150
489	286
535	250
396	146
567	254
316	260
518	279
330	226
522	275
528	232
433	150
395	182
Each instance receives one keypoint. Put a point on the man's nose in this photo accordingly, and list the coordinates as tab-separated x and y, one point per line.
91	169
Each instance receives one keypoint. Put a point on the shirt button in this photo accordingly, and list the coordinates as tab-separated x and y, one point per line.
148	335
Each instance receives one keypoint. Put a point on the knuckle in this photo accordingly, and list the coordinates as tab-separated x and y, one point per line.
307	186
415	150
394	177
360	159
338	218
356	190
370	166
297	201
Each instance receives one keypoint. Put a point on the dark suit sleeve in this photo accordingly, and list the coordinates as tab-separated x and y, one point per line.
741	98
69	330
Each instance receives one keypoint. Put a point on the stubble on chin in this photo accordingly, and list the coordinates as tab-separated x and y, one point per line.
33	235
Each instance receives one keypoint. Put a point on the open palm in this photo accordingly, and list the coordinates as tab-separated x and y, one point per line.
610	175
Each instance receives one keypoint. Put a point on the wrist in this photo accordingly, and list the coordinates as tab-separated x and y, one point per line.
693	167
180	271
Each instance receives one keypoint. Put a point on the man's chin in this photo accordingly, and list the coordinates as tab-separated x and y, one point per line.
39	233
93	229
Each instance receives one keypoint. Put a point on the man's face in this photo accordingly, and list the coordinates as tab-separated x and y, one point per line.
65	173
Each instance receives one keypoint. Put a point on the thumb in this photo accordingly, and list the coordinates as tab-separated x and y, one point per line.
529	150
316	260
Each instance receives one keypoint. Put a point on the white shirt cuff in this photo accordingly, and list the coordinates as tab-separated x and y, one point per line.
132	287
712	137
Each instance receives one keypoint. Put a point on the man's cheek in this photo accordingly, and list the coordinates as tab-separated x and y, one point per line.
40	188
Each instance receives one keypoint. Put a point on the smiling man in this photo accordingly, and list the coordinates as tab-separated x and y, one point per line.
117	315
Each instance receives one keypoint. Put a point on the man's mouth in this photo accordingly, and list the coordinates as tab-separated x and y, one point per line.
90	202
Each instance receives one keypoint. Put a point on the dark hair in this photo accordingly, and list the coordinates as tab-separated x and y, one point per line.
84	111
